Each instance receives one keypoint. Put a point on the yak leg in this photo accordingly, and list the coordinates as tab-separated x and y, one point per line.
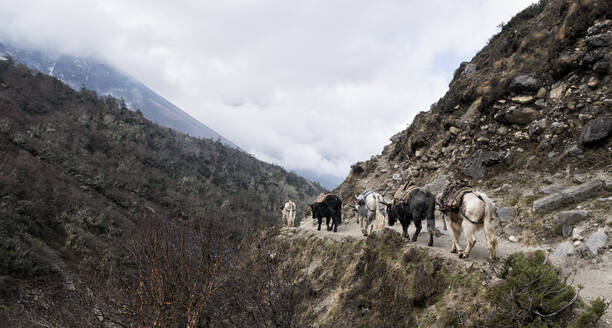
337	219
405	230
431	228
489	229
327	219
455	232
470	233
364	226
320	221
431	222
418	226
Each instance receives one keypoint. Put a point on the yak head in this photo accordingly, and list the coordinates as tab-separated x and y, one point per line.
392	212
360	199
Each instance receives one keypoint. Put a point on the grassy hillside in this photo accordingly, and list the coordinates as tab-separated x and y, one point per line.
303	279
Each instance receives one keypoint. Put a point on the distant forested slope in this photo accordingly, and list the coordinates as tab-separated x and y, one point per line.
78	172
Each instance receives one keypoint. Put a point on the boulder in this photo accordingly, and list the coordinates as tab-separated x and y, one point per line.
568	196
505	214
577	235
596	130
436	186
396	137
564	249
602	66
536	127
595	242
474	166
469	69
593	82
523	99
525	83
600	40
513	229
542	93
514	115
572	217
599	27
574	151
567	219
473	112
558	89
558	127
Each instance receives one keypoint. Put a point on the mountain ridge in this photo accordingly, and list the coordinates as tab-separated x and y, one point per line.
105	80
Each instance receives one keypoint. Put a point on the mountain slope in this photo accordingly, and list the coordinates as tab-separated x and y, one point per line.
520	105
80	174
528	121
105	80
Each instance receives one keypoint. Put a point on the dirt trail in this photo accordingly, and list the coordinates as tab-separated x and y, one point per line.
442	244
596	279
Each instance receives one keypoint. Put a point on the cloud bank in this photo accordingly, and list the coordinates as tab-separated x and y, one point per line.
310	85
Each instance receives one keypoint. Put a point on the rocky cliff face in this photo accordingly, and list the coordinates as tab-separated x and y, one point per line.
527	120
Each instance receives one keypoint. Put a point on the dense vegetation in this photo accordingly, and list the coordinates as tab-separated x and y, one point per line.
289	279
80	174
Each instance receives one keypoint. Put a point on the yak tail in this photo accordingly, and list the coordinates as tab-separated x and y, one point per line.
431	218
380	218
490	210
490	221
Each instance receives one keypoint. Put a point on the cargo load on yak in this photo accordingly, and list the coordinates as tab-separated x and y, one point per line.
451	196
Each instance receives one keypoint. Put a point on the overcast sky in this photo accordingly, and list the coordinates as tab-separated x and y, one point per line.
311	85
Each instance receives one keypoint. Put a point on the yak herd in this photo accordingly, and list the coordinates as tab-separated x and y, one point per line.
463	210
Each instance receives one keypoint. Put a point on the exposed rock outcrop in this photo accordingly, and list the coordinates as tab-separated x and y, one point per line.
568	196
596	130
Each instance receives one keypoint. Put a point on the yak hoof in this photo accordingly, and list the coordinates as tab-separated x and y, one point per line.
430	243
414	239
453	250
463	255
